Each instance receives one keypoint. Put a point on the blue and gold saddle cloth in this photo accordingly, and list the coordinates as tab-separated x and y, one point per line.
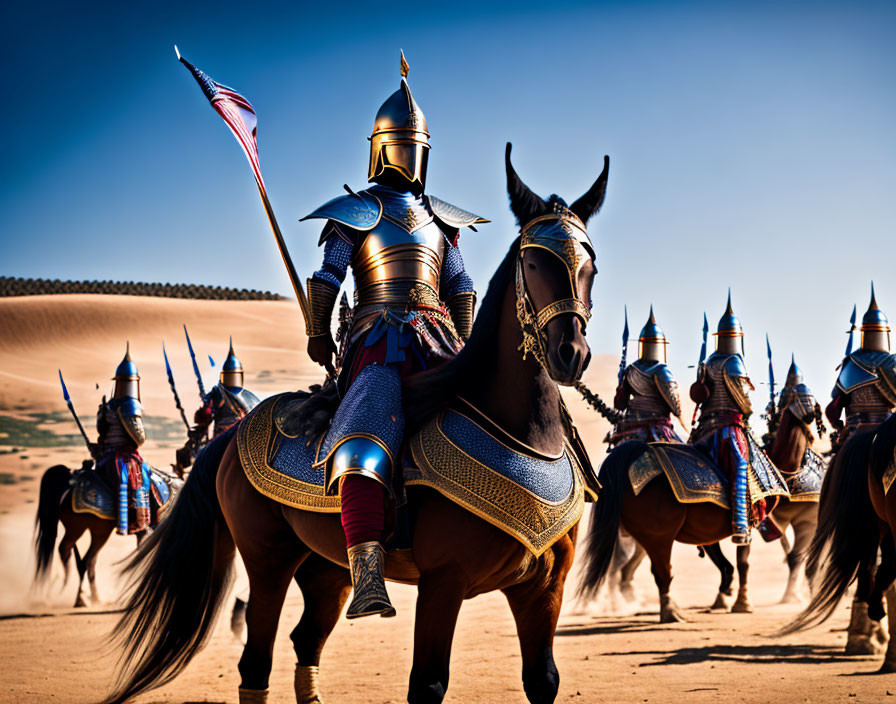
533	498
694	478
90	494
466	458
805	485
279	461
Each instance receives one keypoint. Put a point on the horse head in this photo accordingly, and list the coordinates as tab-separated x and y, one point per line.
554	275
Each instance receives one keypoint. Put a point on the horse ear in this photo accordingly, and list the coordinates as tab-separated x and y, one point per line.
590	203
524	204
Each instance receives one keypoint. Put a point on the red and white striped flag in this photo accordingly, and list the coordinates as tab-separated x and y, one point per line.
235	110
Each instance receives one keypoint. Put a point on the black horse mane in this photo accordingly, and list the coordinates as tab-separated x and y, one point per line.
428	392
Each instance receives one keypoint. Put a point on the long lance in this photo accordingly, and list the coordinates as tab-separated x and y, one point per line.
771	374
71	407
701	361
240	117
195	366
174	388
624	348
852	329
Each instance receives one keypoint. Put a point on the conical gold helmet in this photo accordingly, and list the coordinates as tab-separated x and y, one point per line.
127	378
875	327
400	141
652	341
729	335
232	370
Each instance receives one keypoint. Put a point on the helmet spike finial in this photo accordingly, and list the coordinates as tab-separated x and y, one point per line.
404	67
729	309
875	327
651	319
873	304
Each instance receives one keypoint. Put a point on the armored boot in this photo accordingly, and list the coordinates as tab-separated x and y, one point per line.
740	509
367	563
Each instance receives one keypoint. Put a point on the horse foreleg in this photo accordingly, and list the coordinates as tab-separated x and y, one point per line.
439	597
742	605
325	588
536	606
726	569
99	536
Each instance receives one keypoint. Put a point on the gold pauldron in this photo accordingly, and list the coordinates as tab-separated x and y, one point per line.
462	307
321	299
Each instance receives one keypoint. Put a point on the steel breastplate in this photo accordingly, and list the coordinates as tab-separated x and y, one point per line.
117	436
395	266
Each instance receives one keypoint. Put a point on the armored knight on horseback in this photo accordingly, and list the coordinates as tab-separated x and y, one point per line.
647	393
721	392
413	309
866	386
222	407
119	424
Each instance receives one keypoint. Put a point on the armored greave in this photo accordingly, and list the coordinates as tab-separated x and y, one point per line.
367	563
740	495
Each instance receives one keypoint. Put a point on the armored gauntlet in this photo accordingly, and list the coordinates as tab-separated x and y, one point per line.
462	306
321	299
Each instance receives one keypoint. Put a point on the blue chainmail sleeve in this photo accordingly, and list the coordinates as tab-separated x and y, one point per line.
337	256
455	278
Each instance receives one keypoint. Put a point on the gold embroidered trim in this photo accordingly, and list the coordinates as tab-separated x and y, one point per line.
535	522
255	441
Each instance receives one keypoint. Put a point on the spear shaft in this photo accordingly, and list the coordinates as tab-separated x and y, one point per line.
71	407
195	366
174	388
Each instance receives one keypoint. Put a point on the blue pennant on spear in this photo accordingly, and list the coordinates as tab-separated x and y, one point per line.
195	366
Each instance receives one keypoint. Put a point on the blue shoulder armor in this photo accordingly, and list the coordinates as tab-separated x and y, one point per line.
361	211
853	376
663	373
451	215
735	367
131	407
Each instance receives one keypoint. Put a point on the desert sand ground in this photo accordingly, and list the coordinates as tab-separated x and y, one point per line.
50	652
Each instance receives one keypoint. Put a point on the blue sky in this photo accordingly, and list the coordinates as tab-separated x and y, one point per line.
752	144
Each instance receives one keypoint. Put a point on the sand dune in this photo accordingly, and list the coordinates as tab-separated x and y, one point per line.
85	336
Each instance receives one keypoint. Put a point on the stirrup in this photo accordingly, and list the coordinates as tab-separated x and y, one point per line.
366	562
740	537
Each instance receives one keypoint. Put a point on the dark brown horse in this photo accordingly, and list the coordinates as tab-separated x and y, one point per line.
856	518
654	518
181	572
54	507
787	453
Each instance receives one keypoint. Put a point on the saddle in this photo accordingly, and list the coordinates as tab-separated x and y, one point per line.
805	484
694	478
459	453
91	494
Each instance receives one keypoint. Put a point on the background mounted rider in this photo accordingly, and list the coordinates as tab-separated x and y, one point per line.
796	406
866	386
413	309
721	393
224	405
119	424
647	393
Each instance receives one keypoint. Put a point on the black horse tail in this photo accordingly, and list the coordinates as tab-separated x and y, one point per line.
53	486
603	531
179	578
846	539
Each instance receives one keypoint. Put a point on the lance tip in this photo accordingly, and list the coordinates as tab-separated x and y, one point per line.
177	52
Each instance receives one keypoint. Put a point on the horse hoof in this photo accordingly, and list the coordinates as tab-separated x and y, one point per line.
887	668
627	591
790	598
742	606
80	603
862	645
720	603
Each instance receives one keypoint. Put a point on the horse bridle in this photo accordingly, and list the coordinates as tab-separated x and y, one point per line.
562	234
